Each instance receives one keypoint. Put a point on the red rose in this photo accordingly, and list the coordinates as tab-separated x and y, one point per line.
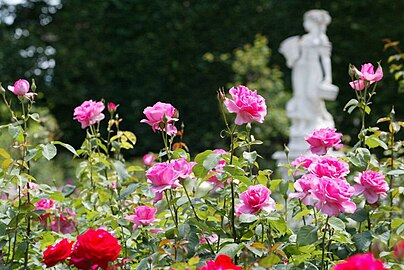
223	262
57	253
359	262
95	248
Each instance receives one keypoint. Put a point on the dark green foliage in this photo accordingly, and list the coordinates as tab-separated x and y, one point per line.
136	53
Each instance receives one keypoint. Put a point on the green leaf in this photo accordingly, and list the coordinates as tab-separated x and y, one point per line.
14	131
244	180
199	169
353	103
4	153
279	225
144	264
395	172
360	215
68	190
250	157
67	146
211	161
307	235
121	170
35	117
234	170
247	218
229	250
183	231
336	224
363	240
397	223
129	190
373	142
49	151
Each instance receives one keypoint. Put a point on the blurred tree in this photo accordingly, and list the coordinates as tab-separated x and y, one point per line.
138	52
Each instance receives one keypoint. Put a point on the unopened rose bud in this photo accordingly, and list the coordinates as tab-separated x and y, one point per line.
221	96
351	71
112	107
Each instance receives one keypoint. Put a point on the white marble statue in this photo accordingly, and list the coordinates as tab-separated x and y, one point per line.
309	58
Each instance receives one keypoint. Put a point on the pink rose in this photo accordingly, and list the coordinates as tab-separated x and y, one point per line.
212	239
44	204
163	176
323	139
112	107
360	262
247	104
357	85
304	162
148	159
65	223
184	167
371	184
89	113
21	88
329	166
367	73
333	195
303	188
144	215
219	173
157	114
255	199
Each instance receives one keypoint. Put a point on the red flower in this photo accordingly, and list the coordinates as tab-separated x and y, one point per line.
95	248
359	262
223	262
112	107
398	252
57	253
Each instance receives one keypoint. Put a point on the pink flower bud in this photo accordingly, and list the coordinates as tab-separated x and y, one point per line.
112	107
20	88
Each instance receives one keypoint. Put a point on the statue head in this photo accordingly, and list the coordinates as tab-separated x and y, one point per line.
316	19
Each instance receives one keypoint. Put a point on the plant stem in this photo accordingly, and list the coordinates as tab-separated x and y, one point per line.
197	217
323	243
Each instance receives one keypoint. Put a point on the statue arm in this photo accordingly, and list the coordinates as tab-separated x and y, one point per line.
325	56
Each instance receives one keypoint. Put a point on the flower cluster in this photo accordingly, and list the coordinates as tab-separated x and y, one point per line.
166	175
366	76
324	185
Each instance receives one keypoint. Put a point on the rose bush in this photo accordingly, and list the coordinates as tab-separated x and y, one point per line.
217	210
